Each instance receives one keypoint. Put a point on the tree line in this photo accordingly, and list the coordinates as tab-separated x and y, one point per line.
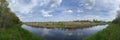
7	17
117	19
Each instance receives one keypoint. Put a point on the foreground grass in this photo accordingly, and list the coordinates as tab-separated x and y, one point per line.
69	25
17	33
112	32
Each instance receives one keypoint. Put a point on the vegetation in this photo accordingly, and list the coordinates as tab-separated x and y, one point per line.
112	32
117	20
7	18
17	33
95	21
67	25
10	25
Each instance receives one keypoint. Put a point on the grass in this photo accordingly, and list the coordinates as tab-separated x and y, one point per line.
112	32
68	25
17	33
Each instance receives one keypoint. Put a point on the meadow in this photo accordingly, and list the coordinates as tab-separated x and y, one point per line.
66	25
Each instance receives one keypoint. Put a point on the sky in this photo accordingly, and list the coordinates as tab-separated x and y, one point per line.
64	10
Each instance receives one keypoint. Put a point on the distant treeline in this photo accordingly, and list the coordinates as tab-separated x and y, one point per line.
7	18
89	21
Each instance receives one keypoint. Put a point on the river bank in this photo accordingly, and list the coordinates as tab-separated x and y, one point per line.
66	25
112	32
64	34
17	33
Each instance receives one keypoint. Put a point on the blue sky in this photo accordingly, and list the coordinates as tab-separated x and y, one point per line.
64	10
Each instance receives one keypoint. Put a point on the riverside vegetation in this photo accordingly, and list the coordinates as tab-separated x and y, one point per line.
112	32
10	28
66	25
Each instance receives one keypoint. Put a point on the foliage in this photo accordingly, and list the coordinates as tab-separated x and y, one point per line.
10	21
112	32
96	21
17	33
7	18
117	20
82	21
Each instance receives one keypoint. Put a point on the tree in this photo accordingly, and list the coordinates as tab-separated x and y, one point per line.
7	18
117	19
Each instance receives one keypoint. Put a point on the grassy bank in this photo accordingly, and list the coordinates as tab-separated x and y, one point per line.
67	25
112	32
17	33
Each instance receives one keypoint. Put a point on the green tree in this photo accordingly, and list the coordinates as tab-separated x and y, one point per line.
117	20
7	17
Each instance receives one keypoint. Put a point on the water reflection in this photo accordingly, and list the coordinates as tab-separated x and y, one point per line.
64	34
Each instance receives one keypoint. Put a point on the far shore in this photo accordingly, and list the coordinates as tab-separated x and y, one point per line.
66	25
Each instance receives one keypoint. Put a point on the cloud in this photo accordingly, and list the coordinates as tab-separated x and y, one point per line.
19	6
25	7
89	4
52	3
29	10
46	13
68	11
55	3
92	17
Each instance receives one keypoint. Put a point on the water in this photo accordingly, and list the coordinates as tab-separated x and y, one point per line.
64	34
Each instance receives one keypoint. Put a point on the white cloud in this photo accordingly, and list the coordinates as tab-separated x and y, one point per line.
18	5
55	3
46	13
90	4
68	11
115	5
50	2
45	7
23	7
92	17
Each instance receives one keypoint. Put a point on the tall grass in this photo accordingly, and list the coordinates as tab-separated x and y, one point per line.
17	33
112	32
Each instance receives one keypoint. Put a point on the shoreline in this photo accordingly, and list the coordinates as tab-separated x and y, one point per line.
109	33
65	25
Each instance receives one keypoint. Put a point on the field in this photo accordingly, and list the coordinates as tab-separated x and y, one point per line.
67	25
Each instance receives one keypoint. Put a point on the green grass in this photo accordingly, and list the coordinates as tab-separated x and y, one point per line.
112	32
17	33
